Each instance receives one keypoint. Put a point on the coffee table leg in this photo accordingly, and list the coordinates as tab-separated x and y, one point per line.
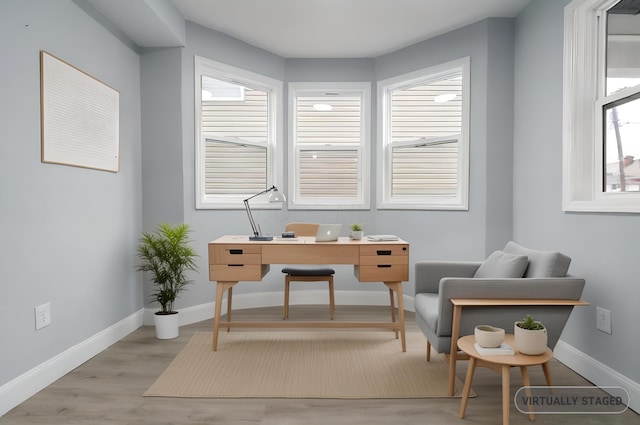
547	374
505	394
527	384
471	368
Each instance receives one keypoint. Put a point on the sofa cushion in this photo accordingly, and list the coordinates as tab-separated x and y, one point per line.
502	265
541	263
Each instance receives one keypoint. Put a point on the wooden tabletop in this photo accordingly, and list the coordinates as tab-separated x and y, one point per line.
466	344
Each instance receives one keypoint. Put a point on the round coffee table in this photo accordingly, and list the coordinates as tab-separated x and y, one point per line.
502	364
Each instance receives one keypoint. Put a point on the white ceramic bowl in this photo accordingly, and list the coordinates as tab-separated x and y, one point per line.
489	336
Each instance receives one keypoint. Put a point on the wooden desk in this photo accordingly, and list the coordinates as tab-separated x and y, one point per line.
458	303
236	258
501	364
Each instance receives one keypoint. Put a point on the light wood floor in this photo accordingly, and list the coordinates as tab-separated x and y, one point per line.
108	390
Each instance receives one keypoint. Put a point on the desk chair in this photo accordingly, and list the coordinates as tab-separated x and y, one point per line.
306	273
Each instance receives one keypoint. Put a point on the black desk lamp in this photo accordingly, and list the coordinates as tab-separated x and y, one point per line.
276	196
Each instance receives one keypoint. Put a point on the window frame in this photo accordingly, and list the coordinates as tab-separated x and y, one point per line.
584	74
385	146
221	71
362	200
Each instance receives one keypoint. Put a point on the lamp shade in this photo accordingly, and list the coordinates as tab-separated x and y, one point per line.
277	196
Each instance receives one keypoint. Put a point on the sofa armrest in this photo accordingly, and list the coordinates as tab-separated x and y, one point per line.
567	288
429	273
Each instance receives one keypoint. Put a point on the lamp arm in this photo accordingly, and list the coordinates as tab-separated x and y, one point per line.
260	193
250	215
253	223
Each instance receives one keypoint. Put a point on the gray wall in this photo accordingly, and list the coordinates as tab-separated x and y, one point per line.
604	247
68	233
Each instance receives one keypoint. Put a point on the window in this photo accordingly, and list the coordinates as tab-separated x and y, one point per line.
423	130
601	135
238	135
329	148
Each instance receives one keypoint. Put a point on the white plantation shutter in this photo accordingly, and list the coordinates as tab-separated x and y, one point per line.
424	150
328	147
236	143
328	173
425	170
237	116
234	167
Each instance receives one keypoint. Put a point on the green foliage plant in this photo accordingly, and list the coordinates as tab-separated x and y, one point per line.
530	324
167	255
356	227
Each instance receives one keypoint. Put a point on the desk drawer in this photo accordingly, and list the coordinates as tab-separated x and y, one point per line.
237	272
235	254
383	250
382	273
370	260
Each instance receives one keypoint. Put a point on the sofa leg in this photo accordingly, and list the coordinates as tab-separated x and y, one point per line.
428	351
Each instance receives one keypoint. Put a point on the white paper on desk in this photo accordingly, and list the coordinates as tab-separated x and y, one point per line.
382	237
503	350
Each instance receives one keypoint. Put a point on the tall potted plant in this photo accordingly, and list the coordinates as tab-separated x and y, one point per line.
167	256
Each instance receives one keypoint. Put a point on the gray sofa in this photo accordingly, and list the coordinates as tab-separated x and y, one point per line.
514	273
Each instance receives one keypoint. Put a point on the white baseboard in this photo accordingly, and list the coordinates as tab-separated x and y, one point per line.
29	383
596	372
202	312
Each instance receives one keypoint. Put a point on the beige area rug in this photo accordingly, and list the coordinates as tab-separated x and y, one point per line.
304	365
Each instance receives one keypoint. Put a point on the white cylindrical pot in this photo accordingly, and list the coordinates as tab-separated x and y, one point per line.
167	325
532	342
356	234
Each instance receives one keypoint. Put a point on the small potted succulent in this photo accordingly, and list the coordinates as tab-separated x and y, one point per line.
356	231
530	336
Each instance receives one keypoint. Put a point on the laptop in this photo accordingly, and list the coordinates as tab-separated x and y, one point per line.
328	232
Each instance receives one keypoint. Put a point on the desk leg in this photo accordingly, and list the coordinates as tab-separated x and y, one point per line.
229	296
397	287
506	386
393	309
220	288
453	351
471	368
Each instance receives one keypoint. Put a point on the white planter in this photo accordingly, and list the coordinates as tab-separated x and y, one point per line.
532	342
488	336
167	325
356	235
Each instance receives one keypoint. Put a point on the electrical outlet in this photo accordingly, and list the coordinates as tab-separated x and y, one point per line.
603	320
43	315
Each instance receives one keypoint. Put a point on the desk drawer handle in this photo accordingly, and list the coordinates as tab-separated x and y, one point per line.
383	252
235	251
236	265
384	266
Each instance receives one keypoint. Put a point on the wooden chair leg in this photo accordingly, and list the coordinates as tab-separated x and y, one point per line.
285	308
332	301
428	351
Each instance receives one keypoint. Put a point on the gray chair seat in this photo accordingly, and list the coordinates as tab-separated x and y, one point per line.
308	271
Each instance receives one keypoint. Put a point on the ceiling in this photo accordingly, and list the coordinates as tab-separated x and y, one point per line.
311	28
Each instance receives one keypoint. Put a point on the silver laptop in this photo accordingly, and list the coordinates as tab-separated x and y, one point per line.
328	232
